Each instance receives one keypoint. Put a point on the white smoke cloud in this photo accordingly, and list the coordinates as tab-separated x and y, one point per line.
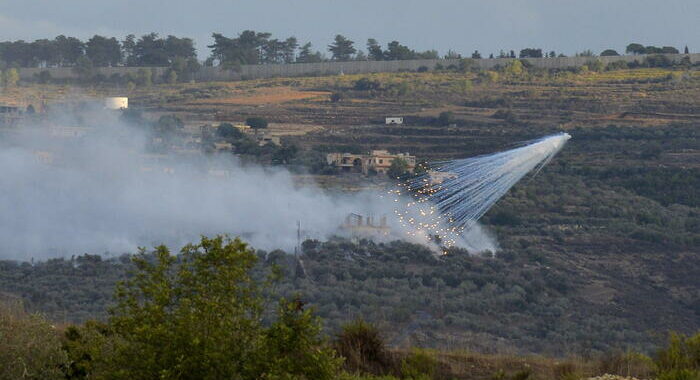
100	193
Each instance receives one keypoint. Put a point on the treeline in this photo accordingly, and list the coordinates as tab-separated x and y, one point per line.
148	50
248	48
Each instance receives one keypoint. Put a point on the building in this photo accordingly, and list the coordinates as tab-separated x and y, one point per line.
116	103
223	146
393	120
61	131
263	137
43	157
378	161
358	226
346	162
9	115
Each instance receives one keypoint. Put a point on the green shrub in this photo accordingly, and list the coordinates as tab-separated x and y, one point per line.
363	348
256	122
30	348
419	364
680	359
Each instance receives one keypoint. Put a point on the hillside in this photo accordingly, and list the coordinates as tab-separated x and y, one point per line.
599	251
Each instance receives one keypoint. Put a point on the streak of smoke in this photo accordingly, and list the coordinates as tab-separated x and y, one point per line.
102	194
451	207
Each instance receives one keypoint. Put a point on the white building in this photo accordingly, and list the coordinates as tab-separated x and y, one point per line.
116	103
393	120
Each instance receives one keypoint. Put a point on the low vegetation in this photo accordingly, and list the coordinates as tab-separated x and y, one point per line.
202	314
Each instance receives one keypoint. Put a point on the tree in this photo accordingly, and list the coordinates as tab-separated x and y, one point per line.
451	54
476	55
531	53
228	131
103	51
150	50
374	50
199	315
445	118
129	50
609	53
175	47
256	122
336	97
341	49
398	168
10	77
293	349
84	68
246	49
167	125
669	50
635	49
289	48
184	68
272	51
144	77
397	52
366	84
284	154
514	68
307	56
69	49
686	51
172	77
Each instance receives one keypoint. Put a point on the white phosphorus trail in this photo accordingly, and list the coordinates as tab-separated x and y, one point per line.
448	201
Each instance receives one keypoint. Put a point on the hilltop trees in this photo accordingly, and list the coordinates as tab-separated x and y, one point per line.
149	50
308	56
531	53
342	48
103	51
609	53
635	48
374	50
252	47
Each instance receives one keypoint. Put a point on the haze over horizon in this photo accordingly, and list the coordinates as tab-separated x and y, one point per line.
461	25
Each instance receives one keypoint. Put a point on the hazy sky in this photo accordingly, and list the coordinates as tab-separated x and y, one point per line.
462	25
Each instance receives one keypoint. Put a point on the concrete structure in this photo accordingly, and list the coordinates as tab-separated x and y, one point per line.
378	161
9	115
116	103
223	146
60	131
358	226
216	73
43	157
393	120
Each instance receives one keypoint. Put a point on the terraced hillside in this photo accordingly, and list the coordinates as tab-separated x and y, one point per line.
601	250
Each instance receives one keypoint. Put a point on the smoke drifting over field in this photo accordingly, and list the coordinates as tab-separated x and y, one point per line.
99	193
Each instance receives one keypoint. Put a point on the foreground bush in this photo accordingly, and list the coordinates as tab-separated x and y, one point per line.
30	348
199	316
363	348
680	360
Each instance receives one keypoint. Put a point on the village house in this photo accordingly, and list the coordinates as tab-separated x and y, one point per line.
378	161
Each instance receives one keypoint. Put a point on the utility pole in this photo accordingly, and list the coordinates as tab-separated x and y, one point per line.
297	249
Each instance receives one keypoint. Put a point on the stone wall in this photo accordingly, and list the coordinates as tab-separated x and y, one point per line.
335	68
